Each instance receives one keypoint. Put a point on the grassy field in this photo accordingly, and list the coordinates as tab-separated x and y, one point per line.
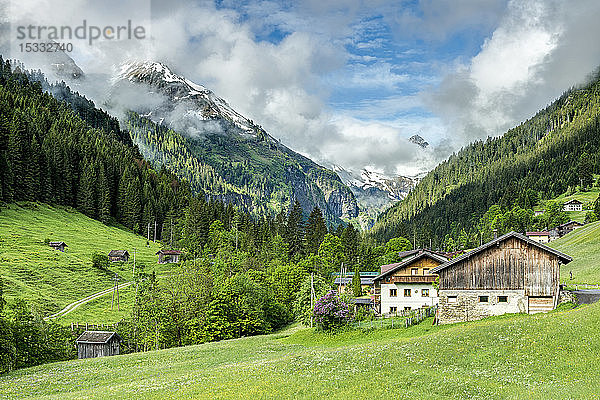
587	198
583	245
50	279
543	356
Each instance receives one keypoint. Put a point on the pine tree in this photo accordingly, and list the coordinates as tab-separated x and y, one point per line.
356	287
315	231
350	243
104	205
295	230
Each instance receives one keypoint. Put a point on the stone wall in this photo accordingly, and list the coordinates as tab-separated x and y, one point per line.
468	307
566	296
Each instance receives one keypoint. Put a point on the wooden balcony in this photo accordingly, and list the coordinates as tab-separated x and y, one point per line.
410	279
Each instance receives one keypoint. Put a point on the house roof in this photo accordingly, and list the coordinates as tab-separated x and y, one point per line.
347	281
539	233
97	337
563	257
397	266
168	252
574	201
569	223
55	244
118	253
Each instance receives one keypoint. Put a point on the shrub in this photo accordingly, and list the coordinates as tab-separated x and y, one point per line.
331	312
100	261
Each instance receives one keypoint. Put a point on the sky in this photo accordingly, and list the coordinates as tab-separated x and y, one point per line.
348	82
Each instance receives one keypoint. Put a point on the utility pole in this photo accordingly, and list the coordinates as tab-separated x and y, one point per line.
116	290
312	295
155	230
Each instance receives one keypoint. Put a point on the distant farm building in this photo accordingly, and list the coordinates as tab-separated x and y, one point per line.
510	274
343	282
569	227
407	285
573	205
540	237
537	213
168	256
60	246
118	255
93	344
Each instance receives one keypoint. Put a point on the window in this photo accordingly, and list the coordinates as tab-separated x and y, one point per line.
483	299
502	299
393	292
424	292
425	271
393	309
414	271
406	292
451	299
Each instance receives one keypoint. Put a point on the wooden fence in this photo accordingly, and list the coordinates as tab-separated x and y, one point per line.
400	319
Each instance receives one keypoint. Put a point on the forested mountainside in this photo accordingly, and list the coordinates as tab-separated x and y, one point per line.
542	157
200	138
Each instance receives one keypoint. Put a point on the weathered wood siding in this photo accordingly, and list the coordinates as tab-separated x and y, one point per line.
511	265
93	350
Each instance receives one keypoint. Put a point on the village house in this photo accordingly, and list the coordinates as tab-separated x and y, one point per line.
168	256
573	205
91	344
366	281
569	227
407	285
60	246
540	237
510	274
118	255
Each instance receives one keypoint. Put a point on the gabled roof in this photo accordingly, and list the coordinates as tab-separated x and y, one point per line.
400	265
118	253
168	252
97	337
563	257
55	244
574	201
540	233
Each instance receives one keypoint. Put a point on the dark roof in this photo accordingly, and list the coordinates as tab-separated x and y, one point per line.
422	253
563	257
574	201
97	337
118	253
168	252
362	301
346	281
407	253
569	223
55	244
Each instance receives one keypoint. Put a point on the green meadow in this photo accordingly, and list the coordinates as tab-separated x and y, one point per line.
49	279
543	356
583	244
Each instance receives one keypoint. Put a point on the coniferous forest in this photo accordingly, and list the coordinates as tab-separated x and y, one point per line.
554	151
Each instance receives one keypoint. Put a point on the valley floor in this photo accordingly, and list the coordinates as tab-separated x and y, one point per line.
543	356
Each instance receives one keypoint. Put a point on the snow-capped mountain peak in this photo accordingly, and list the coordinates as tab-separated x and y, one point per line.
181	90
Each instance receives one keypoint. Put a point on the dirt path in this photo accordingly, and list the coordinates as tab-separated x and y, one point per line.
73	306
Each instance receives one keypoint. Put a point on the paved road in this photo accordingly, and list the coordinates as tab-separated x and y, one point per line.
73	306
588	296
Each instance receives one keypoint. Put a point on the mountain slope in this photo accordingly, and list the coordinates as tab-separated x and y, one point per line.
541	156
583	245
50	279
220	152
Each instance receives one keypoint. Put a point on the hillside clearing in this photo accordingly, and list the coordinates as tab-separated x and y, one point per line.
49	279
583	245
520	356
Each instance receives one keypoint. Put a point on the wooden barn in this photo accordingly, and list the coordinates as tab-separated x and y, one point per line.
93	344
407	285
118	255
60	246
510	274
168	256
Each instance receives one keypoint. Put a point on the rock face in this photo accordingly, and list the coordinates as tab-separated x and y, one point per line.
416	139
219	151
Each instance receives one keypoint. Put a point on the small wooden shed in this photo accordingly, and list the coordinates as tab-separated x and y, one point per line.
93	344
60	246
118	255
168	256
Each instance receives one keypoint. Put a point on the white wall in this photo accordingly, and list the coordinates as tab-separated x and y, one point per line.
467	306
416	300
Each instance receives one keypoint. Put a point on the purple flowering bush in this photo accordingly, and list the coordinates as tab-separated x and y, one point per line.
331	312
